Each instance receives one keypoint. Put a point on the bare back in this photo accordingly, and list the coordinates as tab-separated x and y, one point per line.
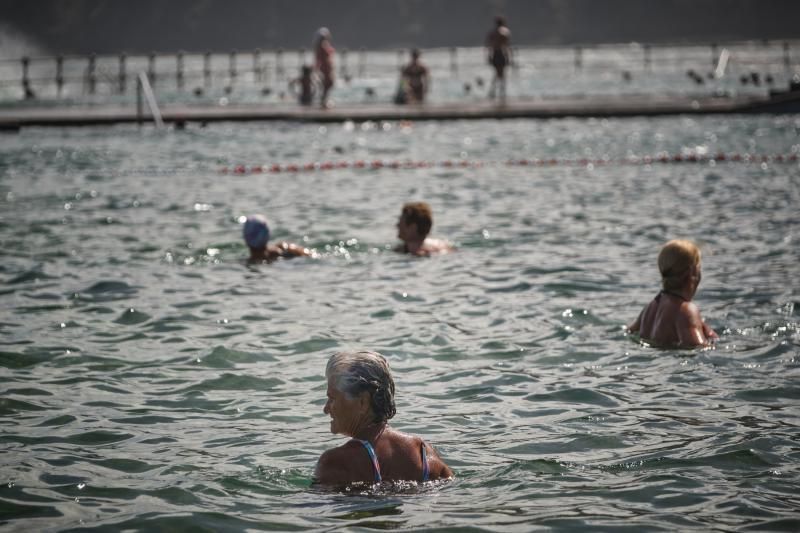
669	320
398	455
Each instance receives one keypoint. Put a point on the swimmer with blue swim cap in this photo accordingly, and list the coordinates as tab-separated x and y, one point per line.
256	236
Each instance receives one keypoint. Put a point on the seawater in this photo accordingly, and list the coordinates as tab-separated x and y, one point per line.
151	380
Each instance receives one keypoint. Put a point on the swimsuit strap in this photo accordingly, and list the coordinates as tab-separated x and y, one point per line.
425	471
376	467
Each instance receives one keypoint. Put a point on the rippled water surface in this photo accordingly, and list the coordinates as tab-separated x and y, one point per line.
150	380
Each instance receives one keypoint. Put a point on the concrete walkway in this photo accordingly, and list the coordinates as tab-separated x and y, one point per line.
589	106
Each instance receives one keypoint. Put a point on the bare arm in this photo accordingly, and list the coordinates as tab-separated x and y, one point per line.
636	324
437	467
329	470
691	329
288	249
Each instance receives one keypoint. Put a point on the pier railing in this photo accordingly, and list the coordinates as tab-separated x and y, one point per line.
48	77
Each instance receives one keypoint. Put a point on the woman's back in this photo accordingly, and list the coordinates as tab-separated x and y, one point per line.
393	456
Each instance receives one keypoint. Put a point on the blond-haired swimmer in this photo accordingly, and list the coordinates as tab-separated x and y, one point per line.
672	319
360	404
413	227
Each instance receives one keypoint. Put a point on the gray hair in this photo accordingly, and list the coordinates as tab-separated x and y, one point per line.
356	372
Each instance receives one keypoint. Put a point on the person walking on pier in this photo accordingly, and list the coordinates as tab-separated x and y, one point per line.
305	94
415	81
498	47
323	54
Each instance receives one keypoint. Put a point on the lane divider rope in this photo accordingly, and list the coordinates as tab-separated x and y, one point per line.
375	164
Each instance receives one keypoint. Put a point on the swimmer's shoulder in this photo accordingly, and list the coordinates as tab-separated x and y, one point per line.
437	246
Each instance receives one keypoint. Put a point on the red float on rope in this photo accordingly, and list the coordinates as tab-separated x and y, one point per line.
522	162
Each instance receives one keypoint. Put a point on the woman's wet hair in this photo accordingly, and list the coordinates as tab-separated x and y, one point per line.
675	260
357	372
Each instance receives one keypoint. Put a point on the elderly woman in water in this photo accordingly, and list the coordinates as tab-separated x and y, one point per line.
360	404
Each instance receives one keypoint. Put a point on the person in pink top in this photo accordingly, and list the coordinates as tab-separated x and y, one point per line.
323	54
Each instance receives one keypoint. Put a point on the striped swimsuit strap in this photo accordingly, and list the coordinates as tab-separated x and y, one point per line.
376	467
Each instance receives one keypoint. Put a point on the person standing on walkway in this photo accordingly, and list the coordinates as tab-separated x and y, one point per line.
498	47
416	80
323	54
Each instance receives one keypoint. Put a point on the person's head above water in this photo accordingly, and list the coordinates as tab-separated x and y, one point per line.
413	227
360	376
256	232
416	221
672	319
678	261
360	403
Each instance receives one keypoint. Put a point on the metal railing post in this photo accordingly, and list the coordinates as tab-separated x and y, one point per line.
232	65
343	66
714	55
787	63
207	70
123	75
59	75
91	73
151	68
138	102
179	70
257	65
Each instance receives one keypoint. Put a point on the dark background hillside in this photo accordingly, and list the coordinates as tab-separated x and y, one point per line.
83	26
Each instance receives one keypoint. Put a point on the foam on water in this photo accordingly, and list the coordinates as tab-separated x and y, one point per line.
153	380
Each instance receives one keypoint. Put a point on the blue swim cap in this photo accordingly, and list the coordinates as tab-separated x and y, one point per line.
256	231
